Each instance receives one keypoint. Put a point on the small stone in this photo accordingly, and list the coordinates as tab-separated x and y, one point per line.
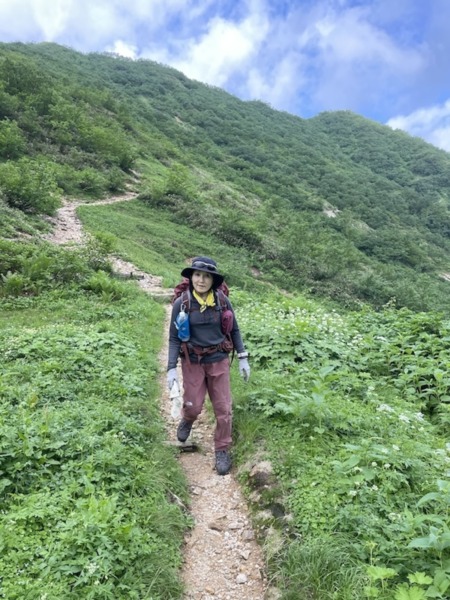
255	497
245	554
217	525
272	594
248	535
241	578
262	474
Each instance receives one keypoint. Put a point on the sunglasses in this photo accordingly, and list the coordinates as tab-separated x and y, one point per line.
198	264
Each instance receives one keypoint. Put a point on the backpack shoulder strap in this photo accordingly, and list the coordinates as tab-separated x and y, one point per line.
221	300
186	300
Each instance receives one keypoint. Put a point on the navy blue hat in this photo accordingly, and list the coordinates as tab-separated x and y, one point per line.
206	264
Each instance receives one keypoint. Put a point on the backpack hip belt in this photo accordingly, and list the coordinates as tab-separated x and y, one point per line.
200	351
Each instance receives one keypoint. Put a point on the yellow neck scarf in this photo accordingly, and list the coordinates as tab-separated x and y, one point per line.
205	303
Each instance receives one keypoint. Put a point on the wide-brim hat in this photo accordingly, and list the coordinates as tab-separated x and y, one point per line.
206	264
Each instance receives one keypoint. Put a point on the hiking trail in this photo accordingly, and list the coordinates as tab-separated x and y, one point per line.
222	559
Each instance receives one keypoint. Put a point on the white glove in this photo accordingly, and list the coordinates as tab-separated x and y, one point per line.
172	376
244	368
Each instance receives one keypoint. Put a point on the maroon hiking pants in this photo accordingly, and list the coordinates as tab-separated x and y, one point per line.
213	378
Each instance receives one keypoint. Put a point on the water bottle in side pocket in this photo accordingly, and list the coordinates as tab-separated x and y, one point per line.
182	324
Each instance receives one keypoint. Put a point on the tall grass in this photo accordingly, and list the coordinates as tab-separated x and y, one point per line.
319	569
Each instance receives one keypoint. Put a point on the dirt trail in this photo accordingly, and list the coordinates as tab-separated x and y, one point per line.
68	229
222	560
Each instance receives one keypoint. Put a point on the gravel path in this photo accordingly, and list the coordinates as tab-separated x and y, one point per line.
222	560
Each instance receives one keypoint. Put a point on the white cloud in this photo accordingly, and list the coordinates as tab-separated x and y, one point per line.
17	22
432	124
372	56
357	64
51	18
280	86
123	49
225	48
440	137
350	39
86	25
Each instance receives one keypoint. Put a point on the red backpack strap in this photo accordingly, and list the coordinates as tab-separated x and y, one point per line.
223	306
224	288
222	299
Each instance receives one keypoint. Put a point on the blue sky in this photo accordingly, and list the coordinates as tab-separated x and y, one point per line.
388	60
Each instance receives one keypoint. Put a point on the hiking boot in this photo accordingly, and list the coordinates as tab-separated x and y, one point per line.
223	462
184	430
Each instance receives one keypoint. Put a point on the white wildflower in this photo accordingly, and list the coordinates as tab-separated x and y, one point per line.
385	408
352	493
403	418
373	464
374	488
386	466
91	568
395	447
394	516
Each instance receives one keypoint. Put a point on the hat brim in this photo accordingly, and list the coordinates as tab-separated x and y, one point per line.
217	278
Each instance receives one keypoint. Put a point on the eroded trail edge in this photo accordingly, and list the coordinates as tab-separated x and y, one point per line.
222	559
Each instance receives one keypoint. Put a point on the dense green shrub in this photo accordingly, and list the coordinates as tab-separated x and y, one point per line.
12	141
30	185
102	284
30	268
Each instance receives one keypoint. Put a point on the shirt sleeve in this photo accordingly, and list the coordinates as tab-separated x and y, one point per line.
235	332
174	340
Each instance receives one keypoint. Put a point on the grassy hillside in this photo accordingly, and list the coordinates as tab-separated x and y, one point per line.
348	402
336	205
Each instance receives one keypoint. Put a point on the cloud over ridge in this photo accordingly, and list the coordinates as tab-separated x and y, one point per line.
369	56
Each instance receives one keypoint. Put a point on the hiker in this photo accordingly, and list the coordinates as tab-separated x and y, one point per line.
205	360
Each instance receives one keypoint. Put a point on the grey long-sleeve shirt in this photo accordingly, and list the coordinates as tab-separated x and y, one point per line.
205	331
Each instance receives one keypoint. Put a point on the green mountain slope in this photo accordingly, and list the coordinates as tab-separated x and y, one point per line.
350	407
337	205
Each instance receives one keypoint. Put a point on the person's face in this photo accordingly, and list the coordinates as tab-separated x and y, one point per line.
202	282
